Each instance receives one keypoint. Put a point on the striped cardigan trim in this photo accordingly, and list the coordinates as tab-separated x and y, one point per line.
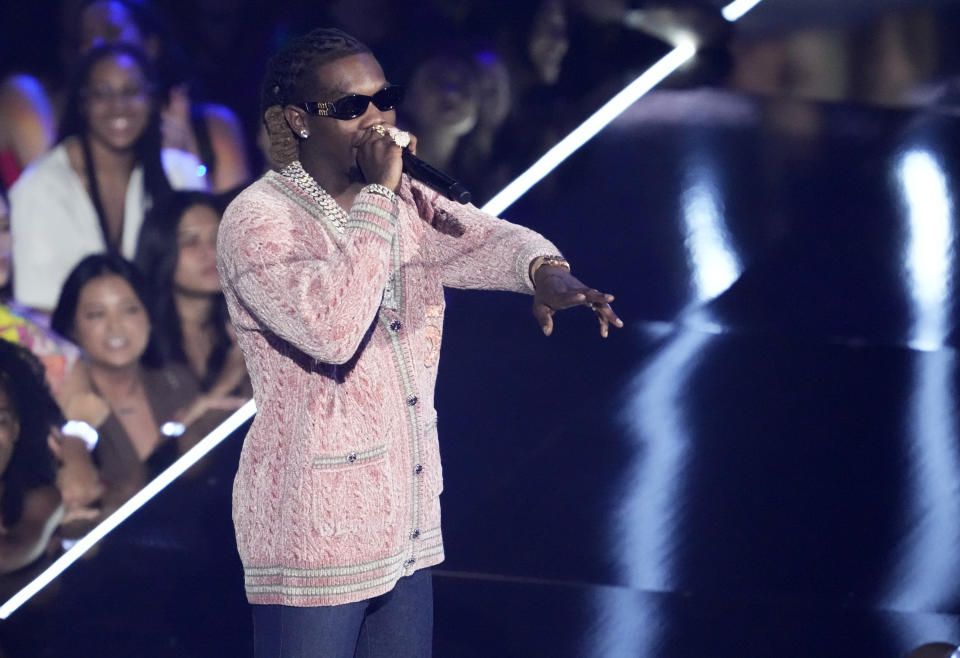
295	582
351	458
347	588
374	210
371	227
333	572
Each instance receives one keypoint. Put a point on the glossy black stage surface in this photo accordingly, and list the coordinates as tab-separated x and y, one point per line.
764	462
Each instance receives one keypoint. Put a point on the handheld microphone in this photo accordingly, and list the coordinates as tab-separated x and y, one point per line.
445	185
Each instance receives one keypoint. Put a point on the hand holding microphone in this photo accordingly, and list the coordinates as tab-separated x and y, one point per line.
423	172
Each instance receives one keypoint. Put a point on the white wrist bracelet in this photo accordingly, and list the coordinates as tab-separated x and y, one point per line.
172	428
83	431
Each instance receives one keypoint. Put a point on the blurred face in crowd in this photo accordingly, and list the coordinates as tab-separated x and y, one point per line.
493	89
108	22
9	428
548	40
333	141
6	243
117	102
196	271
111	325
443	94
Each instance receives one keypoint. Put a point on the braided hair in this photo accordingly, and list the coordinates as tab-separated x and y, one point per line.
290	80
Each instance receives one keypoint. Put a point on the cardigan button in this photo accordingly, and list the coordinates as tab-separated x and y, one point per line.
352	457
396	325
415	534
418	469
412	400
409	563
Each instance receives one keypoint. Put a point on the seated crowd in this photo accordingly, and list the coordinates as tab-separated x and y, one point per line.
117	352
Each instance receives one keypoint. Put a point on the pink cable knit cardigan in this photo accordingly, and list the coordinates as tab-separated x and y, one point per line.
337	493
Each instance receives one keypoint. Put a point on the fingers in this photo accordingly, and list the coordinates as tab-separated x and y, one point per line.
552	295
606	317
54	444
544	316
602	309
604	326
559	301
378	157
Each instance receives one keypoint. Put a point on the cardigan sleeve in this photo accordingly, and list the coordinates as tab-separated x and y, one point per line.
477	250
317	296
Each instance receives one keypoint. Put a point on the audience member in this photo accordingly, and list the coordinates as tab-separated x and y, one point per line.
482	168
66	376
27	125
211	132
178	248
19	325
102	309
89	194
30	506
530	42
442	106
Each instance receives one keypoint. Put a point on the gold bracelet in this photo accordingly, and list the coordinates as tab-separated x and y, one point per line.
553	261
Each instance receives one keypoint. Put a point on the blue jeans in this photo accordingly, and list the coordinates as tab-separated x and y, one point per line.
398	624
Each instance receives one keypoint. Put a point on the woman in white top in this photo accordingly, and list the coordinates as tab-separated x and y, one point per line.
90	193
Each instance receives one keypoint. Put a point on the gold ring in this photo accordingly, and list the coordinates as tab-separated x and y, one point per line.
380	130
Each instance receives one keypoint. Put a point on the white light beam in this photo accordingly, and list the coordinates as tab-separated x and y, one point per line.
735	10
139	499
586	130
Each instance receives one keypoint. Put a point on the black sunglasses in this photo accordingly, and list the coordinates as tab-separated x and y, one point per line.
354	105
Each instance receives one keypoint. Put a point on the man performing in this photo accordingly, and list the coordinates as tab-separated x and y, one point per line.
334	269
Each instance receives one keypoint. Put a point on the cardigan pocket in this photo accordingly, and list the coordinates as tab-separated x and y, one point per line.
352	493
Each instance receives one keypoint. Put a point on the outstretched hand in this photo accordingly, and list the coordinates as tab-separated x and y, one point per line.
557	289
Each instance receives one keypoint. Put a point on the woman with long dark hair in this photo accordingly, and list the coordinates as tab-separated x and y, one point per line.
102	309
178	250
29	107
30	507
90	193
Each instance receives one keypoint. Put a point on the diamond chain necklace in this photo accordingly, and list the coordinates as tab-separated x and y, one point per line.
295	173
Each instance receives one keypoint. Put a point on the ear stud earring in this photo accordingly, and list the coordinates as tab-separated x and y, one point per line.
304	133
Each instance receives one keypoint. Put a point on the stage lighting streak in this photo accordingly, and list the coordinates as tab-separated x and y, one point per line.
586	130
714	262
928	259
656	419
155	486
598	120
645	527
624	622
925	576
735	10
